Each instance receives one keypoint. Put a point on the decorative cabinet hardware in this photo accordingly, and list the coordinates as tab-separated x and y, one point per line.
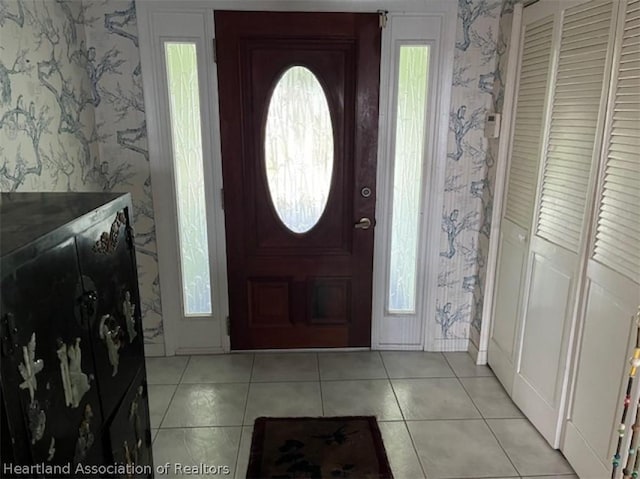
88	301
30	367
365	192
110	333
64	373
37	421
129	310
74	382
134	417
130	454
85	436
52	449
108	241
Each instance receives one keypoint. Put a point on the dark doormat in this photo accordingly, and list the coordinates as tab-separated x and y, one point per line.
317	448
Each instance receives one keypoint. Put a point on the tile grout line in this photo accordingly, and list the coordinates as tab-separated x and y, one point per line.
175	390
470	398
482	415
311	380
320	383
449	364
501	447
244	413
246	402
186	366
404	420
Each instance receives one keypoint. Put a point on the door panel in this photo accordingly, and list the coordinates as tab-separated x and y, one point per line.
519	202
563	84
42	298
511	266
611	308
107	265
129	431
538	385
548	300
290	289
594	418
565	183
606	343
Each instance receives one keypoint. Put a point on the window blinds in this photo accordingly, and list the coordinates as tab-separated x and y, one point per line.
529	122
617	243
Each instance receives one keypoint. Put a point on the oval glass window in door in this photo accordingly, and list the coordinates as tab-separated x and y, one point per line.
298	149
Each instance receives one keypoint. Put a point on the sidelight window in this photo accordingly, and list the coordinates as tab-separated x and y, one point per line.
184	102
408	154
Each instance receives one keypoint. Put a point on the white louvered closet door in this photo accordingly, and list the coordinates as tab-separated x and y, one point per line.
566	184
611	295
522	177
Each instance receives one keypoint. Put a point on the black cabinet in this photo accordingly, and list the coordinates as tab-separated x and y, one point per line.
73	382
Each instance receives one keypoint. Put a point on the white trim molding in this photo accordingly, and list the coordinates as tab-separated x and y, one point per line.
156	24
504	153
407	19
412	331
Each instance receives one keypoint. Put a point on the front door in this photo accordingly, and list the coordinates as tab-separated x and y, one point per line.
299	126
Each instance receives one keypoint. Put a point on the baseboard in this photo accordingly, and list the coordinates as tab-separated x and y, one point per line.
197	351
479	357
449	345
483	358
396	347
473	351
152	350
300	350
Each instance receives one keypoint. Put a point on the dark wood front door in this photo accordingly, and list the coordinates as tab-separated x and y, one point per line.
293	286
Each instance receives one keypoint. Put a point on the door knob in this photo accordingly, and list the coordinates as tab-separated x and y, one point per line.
363	224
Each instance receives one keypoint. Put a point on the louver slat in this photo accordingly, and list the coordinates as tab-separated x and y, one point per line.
521	185
617	243
573	123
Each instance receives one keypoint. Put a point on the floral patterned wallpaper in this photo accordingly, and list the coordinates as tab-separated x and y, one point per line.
47	124
112	33
470	174
72	118
72	115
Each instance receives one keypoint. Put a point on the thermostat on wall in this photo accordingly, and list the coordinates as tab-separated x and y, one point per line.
492	125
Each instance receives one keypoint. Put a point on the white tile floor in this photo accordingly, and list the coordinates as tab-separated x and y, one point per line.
441	416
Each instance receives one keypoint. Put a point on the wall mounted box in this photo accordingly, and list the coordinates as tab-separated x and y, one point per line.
73	378
492	125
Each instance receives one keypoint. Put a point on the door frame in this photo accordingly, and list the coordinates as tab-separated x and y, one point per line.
500	187
200	14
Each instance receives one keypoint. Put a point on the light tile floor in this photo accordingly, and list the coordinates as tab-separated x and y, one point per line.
441	416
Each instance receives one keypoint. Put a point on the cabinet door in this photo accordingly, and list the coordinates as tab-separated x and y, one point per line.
108	269
130	430
530	111
48	376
